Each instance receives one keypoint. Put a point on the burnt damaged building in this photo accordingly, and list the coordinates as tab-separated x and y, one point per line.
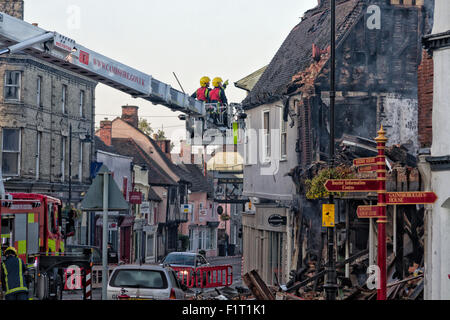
378	51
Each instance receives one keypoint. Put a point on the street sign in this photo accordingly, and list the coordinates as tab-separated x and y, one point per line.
145	207
370	168
187	208
352	185
364	161
135	197
328	215
410	198
276	220
367	212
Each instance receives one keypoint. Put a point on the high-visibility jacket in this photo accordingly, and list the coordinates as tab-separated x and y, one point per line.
202	94
13	280
218	95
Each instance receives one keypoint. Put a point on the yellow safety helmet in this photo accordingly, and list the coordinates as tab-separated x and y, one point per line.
11	249
217	81
204	81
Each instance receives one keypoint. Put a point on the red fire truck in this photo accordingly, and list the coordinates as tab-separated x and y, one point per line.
32	223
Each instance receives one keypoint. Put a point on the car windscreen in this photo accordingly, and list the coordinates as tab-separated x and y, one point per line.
182	259
80	250
136	278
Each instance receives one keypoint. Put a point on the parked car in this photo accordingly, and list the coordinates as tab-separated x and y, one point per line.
185	259
78	248
144	282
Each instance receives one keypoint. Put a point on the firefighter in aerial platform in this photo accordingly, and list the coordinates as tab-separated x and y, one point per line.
13	280
217	95
202	93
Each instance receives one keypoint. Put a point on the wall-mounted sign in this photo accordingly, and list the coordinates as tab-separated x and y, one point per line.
276	220
328	215
145	207
135	197
187	208
112	226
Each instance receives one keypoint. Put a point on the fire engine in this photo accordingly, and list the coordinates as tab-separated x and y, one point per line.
32	223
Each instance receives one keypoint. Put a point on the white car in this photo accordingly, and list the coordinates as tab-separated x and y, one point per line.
144	282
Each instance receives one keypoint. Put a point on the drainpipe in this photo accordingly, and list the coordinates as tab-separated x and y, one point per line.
425	174
2	186
330	286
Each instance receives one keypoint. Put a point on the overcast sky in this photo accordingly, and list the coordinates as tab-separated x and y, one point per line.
228	38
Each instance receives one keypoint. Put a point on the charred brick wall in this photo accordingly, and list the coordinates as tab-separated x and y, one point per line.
425	92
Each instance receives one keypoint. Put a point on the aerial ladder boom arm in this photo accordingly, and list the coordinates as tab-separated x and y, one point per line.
19	36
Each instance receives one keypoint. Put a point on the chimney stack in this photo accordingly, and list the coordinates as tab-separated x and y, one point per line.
106	131
130	115
164	145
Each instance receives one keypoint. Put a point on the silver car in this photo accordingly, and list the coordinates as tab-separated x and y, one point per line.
144	282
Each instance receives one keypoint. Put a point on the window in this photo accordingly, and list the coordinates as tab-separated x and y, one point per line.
12	85
201	239
11	151
150	243
182	259
38	91
63	157
251	145
266	132
38	153
136	278
191	239
80	162
63	99
201	210
212	238
193	212
82	103
51	218
283	141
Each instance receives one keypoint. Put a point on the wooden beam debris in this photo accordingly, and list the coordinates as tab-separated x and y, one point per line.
257	286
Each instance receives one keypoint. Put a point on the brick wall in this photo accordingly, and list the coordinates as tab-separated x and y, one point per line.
106	131
425	92
47	119
12	7
130	115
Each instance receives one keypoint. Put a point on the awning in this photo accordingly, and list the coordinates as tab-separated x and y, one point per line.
212	224
127	222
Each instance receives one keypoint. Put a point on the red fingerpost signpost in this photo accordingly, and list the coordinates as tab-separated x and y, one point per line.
367	212
351	185
378	164
411	197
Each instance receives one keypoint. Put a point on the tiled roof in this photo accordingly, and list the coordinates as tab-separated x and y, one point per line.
100	145
295	54
153	196
199	183
156	175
